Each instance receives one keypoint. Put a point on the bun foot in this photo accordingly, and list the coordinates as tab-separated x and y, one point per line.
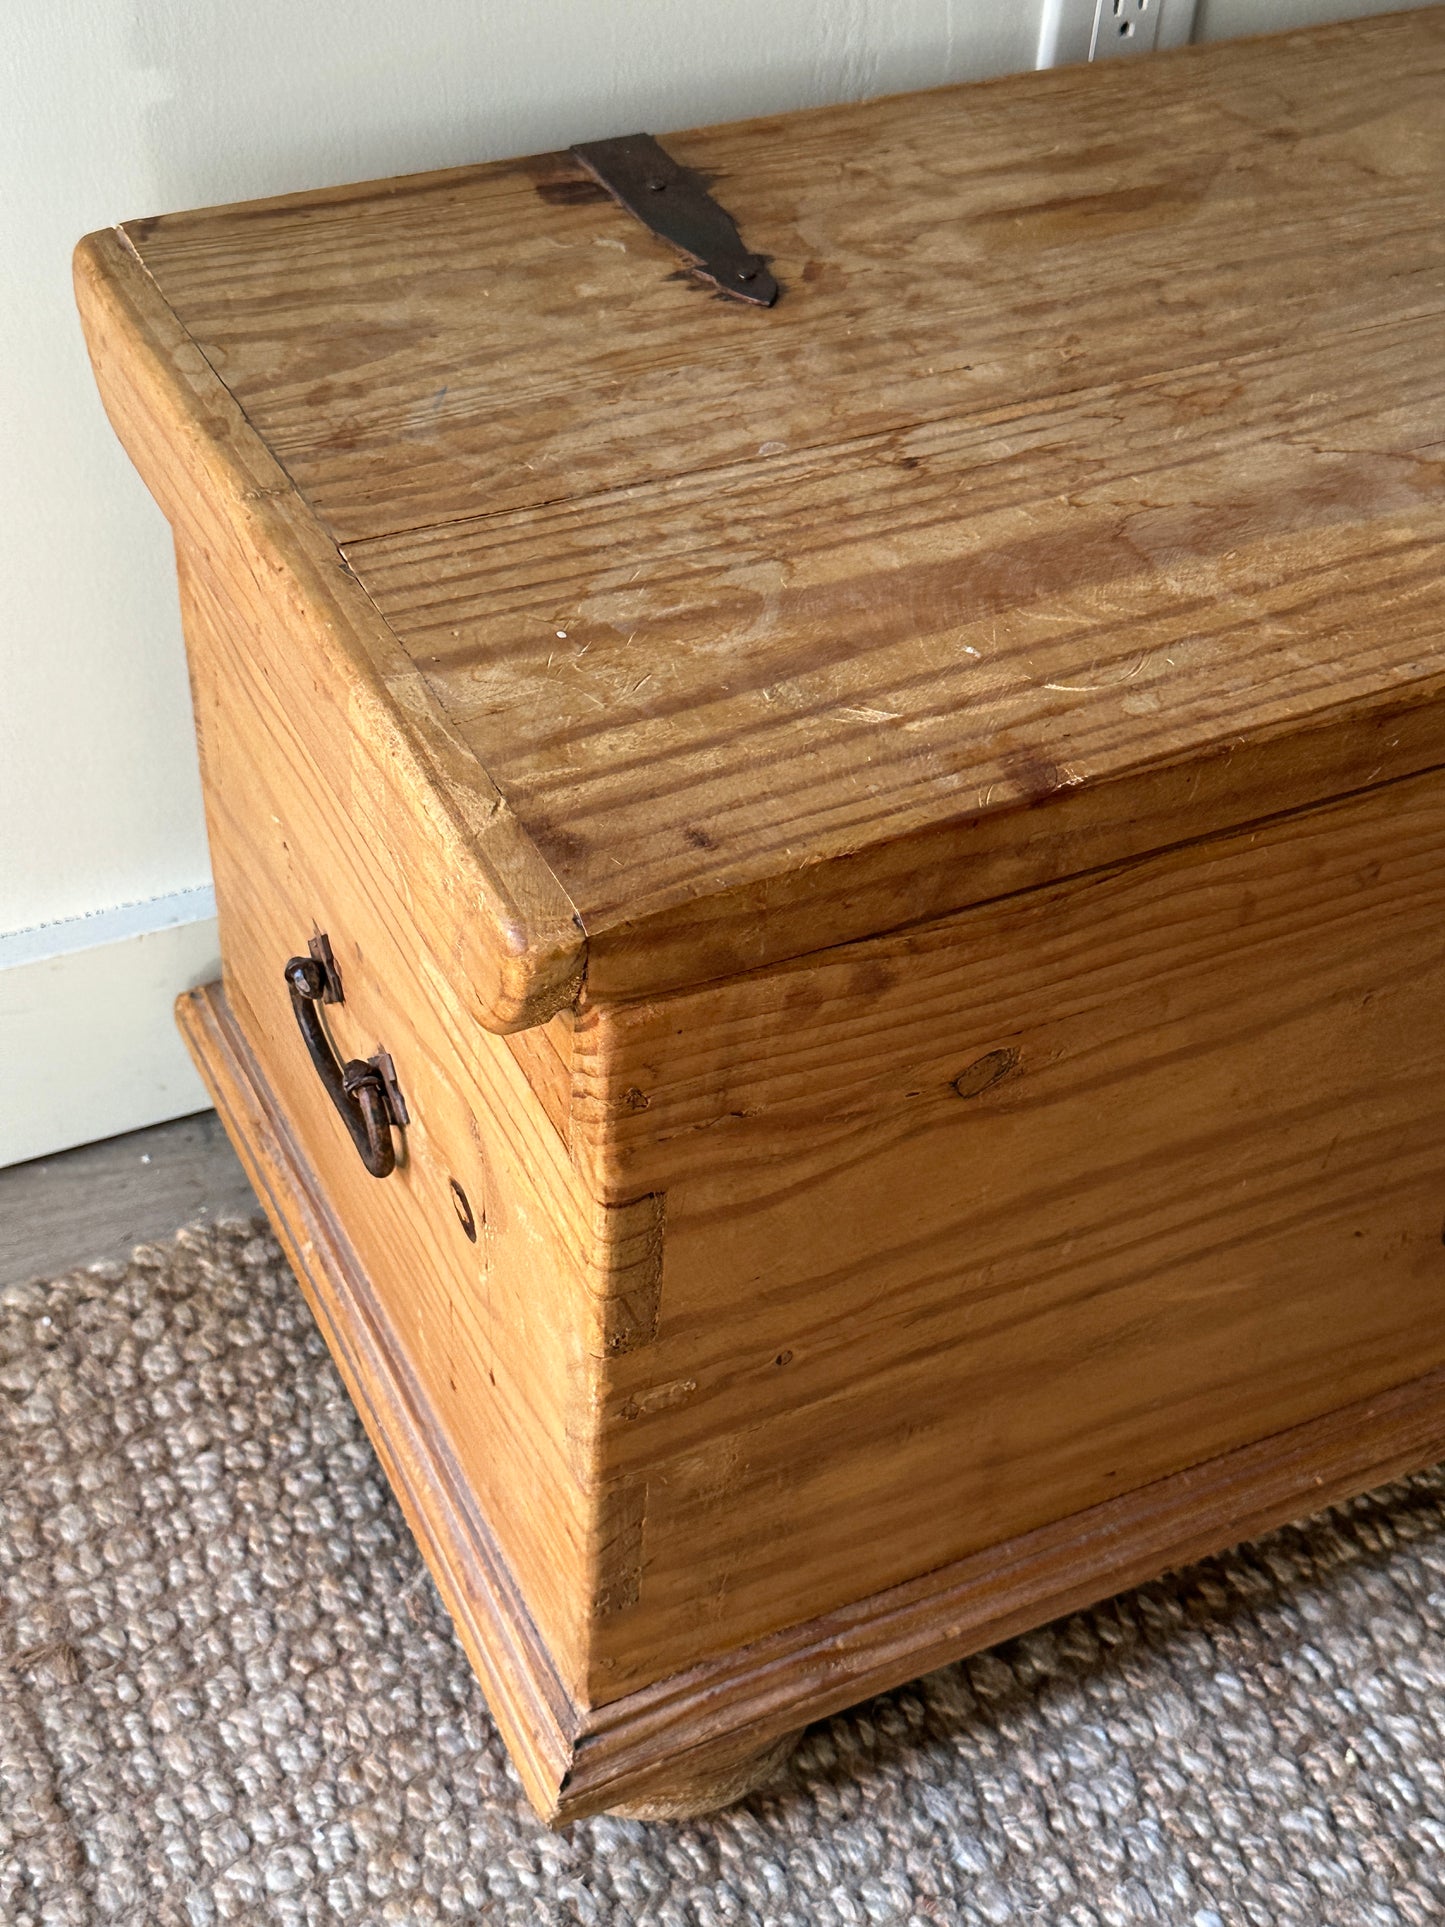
685	1793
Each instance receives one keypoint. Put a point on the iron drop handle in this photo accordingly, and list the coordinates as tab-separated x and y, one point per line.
357	1089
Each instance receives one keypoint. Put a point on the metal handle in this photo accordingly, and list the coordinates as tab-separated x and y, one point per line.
357	1089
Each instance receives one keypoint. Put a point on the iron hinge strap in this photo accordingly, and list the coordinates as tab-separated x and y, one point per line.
672	201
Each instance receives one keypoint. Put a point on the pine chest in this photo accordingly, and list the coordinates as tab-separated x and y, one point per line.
833	912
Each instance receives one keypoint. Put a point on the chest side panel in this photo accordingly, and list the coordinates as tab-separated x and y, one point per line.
970	1228
310	832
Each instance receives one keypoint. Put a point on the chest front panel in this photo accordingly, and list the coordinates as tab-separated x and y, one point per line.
972	1227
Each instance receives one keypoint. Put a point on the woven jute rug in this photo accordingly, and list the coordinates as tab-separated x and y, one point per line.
228	1691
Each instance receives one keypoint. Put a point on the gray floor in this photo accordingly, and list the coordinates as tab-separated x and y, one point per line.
103	1199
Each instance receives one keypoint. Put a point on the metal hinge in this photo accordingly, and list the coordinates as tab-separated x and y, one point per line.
671	200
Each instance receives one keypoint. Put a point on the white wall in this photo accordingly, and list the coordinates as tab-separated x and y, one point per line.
109	111
1227	19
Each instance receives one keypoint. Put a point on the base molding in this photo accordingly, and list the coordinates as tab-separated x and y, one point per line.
705	1735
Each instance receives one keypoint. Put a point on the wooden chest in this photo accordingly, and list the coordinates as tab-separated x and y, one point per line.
877	863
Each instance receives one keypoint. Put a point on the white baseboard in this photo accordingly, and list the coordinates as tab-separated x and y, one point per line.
87	1041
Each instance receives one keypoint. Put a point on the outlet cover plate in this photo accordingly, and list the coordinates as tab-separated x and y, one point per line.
1068	30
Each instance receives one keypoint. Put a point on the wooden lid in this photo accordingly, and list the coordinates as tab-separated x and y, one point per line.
1084	492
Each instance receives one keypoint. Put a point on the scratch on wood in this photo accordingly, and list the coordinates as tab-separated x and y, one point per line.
622	1514
630	1271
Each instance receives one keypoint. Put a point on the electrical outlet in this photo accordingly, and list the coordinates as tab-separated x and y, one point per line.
1071	30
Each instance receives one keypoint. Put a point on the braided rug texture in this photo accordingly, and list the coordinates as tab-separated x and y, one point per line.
228	1691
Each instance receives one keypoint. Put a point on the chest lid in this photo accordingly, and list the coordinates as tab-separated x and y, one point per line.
1082	493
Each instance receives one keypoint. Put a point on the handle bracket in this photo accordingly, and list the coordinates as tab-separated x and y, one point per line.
360	1089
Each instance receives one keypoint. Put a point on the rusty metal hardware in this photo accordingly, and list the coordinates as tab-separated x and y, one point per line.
320	948
364	1093
672	200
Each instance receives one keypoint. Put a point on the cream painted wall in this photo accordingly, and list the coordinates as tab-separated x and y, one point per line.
113	108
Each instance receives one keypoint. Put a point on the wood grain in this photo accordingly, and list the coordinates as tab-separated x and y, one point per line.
975	1226
646	1748
503	336
1083	494
817	1668
1024	647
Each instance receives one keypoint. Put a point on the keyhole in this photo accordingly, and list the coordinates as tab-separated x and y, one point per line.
463	1210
